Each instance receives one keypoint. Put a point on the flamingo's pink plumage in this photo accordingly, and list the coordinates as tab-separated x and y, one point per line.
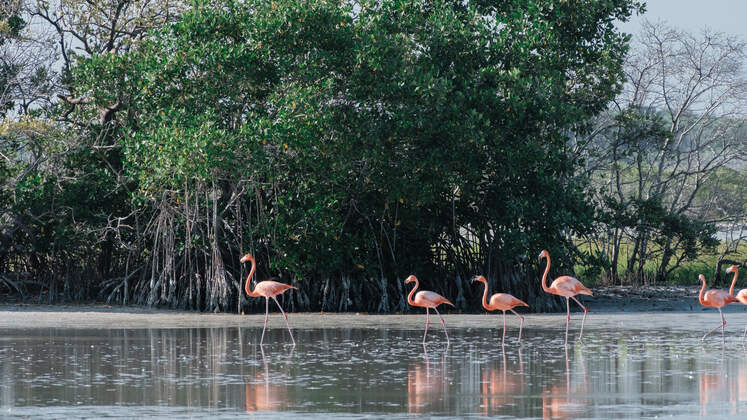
428	300
567	287
269	290
501	302
715	299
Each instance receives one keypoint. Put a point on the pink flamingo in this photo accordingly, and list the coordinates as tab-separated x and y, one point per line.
268	289
427	299
742	295
503	302
565	286
716	299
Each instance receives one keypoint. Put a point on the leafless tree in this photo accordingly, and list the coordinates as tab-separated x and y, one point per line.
678	121
27	76
85	28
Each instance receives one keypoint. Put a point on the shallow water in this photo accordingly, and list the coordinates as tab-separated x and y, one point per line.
365	372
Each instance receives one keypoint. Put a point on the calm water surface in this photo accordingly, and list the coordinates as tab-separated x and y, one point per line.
353	373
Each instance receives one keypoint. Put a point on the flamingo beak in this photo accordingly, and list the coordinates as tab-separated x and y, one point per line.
244	258
474	278
730	269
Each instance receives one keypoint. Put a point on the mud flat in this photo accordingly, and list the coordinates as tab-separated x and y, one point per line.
628	307
600	317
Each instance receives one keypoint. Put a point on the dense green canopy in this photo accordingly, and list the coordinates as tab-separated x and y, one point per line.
349	144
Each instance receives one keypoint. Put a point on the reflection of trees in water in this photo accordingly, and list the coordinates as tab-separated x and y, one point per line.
646	370
638	372
641	370
195	367
7	392
173	367
738	387
186	362
722	386
553	384
567	399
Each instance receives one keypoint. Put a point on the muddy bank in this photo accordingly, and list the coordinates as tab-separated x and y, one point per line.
649	299
96	318
114	318
624	306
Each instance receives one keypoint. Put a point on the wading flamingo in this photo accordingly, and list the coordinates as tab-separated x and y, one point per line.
742	295
501	302
427	299
717	299
268	289
568	287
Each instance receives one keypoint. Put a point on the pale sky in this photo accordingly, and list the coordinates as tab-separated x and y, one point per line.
728	16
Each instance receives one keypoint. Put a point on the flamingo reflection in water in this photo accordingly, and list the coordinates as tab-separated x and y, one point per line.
722	384
713	385
425	384
262	395
499	388
739	385
559	401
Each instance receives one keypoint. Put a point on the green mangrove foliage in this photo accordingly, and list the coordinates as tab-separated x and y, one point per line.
347	145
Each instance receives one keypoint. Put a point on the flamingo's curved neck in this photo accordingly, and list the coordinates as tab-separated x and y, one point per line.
733	281
412	292
544	276
702	289
248	285
485	295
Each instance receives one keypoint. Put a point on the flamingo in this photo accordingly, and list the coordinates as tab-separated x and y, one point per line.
503	302
268	289
565	286
717	299
427	299
742	295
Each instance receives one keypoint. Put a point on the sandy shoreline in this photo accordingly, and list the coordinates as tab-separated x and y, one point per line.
664	306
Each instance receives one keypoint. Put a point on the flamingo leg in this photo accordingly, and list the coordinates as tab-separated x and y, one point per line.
723	323
427	322
267	314
444	324
286	320
567	318
581	335
503	340
521	326
745	334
